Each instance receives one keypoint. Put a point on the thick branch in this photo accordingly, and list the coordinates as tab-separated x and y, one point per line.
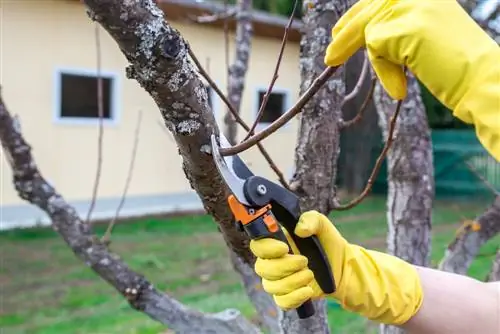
158	57
237	71
141	294
471	236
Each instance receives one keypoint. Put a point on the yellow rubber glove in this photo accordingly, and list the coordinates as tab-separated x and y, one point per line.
440	43
378	286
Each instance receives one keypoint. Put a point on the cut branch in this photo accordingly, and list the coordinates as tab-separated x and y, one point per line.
141	294
469	239
283	119
378	164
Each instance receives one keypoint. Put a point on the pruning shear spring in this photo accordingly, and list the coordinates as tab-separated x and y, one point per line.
259	207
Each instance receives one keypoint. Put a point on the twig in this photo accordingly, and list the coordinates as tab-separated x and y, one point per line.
488	185
283	119
107	235
366	102
226	45
238	119
226	14
378	164
100	111
275	74
359	83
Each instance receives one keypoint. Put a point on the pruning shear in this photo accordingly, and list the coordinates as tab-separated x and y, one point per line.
259	207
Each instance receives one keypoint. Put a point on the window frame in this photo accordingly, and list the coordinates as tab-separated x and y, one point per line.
115	99
276	89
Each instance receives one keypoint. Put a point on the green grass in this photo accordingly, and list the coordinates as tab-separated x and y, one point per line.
46	289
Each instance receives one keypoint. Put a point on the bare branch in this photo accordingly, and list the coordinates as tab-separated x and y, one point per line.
469	239
236	72
141	294
107	235
494	274
283	119
238	119
100	112
359	84
275	74
488	185
227	14
378	164
366	102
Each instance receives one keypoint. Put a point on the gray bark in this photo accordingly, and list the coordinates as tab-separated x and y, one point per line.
494	274
463	250
264	304
158	57
410	179
317	149
238	70
141	294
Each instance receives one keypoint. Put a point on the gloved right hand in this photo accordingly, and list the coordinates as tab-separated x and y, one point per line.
440	43
378	286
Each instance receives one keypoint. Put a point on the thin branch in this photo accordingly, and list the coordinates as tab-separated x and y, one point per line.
238	119
283	119
107	235
275	74
100	112
378	163
366	102
226	44
137	290
359	84
488	185
226	14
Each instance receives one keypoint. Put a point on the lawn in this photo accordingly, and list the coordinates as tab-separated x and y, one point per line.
45	289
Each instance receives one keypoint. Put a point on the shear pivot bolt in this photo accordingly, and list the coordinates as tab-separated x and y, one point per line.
261	189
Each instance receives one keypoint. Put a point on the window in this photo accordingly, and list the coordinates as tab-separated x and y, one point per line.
77	96
275	106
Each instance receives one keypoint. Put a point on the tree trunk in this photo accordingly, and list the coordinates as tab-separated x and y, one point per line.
237	71
463	250
410	179
317	149
494	274
141	294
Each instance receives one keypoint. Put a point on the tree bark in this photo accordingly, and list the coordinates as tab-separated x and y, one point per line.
410	179
494	274
237	71
158	57
141	294
463	250
318	147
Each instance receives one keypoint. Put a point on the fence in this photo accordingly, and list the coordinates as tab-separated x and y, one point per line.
462	167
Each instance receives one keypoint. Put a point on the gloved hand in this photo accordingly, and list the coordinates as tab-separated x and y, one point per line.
378	286
440	43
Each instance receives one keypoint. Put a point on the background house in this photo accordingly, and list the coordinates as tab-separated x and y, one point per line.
48	78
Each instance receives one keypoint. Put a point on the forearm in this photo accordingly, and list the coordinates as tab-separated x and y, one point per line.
456	304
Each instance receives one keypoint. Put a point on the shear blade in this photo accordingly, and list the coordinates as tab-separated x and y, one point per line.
225	167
